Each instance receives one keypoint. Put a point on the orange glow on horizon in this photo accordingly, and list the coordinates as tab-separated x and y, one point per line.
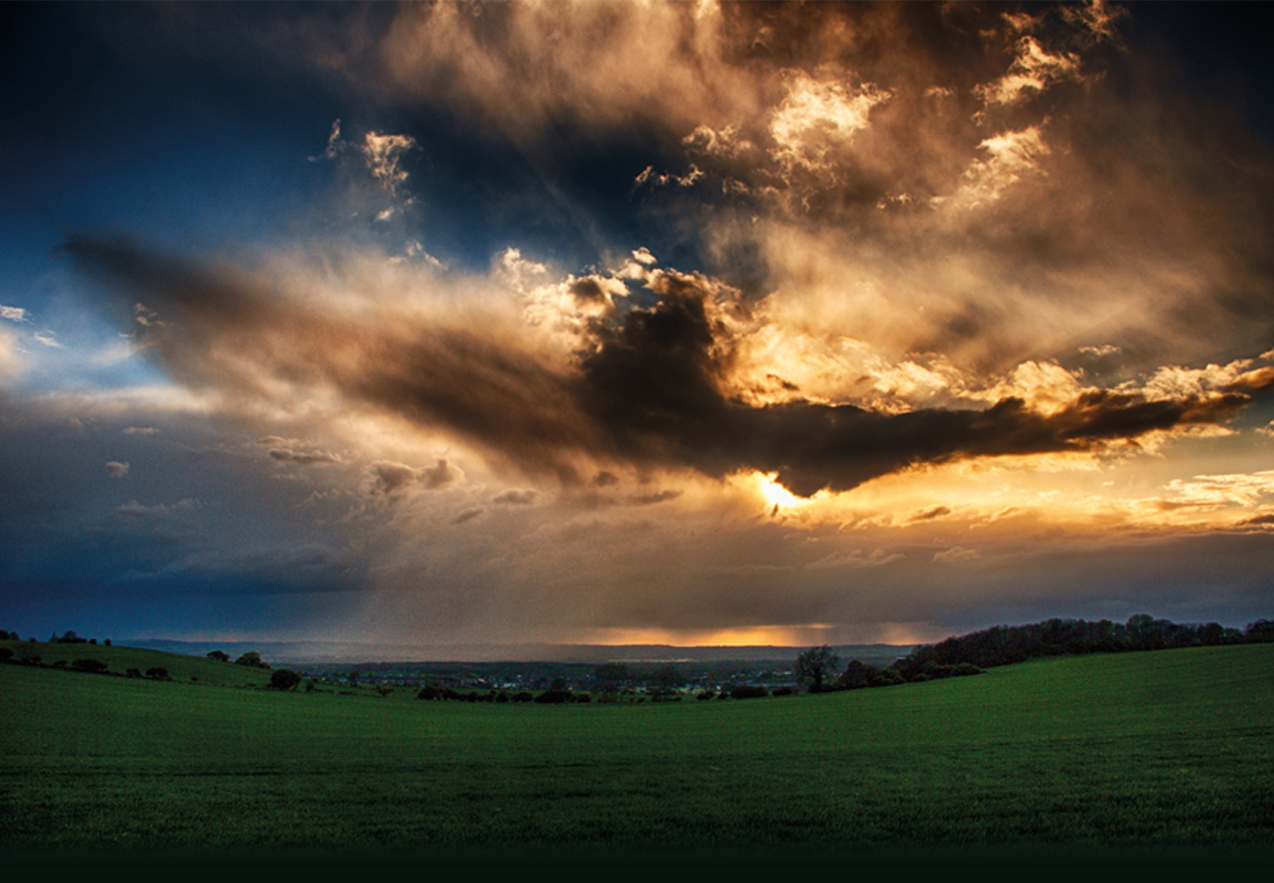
756	636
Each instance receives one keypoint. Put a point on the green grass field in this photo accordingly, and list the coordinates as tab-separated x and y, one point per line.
1149	751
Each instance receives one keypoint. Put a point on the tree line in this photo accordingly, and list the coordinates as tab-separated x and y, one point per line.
1005	645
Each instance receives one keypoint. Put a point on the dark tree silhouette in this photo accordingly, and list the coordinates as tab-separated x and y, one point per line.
815	665
284	679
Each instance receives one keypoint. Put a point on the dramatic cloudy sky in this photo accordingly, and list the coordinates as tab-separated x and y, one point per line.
620	322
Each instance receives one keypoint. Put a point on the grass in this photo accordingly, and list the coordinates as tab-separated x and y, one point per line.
1153	751
120	659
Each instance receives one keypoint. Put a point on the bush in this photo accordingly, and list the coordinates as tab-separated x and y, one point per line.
91	665
133	673
749	691
158	672
706	694
284	679
554	697
784	691
887	678
432	692
5	654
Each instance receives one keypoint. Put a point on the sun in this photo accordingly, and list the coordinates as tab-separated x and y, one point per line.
774	493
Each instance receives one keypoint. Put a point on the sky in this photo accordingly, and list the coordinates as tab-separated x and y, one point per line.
612	322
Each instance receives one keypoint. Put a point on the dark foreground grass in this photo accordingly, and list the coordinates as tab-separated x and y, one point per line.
1155	751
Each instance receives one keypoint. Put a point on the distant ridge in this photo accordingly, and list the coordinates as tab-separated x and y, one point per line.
302	652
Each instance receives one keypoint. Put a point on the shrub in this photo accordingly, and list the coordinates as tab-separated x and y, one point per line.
432	692
784	691
158	672
749	691
33	659
133	673
61	663
5	654
706	694
523	696
92	665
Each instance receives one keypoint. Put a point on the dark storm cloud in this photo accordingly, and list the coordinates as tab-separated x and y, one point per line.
647	388
231	332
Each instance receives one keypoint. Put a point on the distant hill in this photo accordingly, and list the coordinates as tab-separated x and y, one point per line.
333	652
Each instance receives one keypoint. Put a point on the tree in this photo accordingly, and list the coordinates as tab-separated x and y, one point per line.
251	659
857	675
219	656
814	665
284	679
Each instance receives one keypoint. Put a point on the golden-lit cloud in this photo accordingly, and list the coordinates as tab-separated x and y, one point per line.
644	387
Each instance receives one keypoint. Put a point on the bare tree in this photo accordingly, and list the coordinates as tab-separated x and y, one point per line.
814	665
